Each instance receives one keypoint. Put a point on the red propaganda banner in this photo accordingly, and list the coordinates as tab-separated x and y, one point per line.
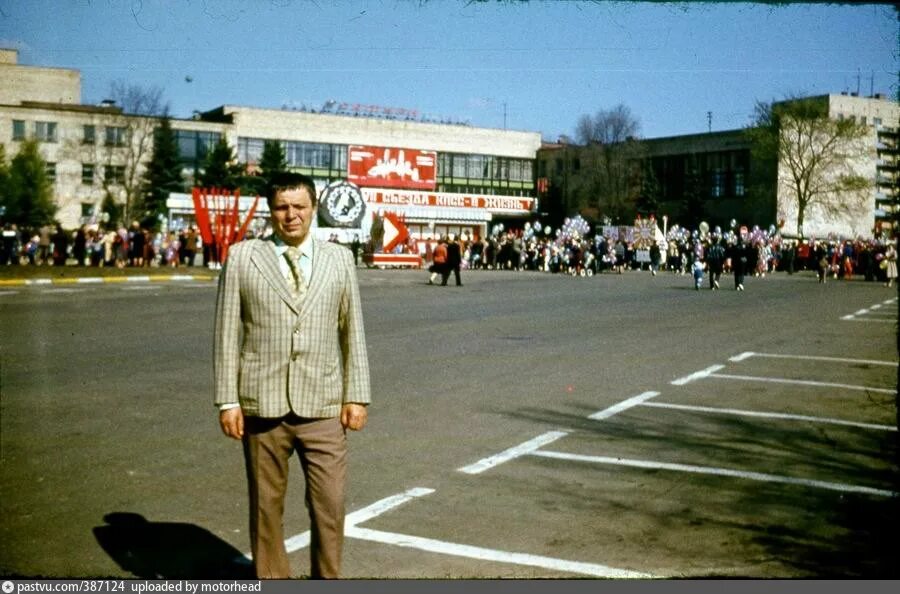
392	167
498	204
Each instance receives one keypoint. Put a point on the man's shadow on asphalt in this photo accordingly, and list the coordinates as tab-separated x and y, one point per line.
169	550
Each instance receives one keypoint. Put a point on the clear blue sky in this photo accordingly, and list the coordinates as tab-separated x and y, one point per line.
548	62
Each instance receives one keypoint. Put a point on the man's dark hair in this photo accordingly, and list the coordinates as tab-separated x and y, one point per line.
289	180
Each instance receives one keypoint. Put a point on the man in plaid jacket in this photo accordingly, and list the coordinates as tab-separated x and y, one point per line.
291	373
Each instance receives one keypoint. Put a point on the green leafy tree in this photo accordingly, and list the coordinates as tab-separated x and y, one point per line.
816	156
29	194
273	161
221	169
163	173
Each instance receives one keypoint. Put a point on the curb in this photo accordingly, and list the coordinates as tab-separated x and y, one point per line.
89	280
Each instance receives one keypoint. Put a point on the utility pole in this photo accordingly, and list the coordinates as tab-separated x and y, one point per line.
709	120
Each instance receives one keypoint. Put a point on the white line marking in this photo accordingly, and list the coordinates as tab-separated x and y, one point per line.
848	317
63	290
39	281
624	405
9	292
471	552
301	541
141	288
888	302
832	359
861	312
852	319
384	505
89	280
514	452
137	279
756	476
876	306
774	380
742	357
698	375
769	415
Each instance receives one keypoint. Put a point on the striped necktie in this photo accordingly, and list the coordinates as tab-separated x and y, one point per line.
299	286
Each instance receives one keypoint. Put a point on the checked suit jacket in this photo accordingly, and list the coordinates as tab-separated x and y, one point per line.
274	356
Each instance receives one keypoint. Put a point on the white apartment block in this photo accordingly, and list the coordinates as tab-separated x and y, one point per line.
878	164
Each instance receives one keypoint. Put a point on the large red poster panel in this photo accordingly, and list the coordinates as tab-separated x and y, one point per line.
391	167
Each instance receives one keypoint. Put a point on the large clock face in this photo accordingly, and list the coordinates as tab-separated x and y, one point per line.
343	204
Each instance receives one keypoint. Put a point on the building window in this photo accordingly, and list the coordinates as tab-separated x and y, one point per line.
115	136
90	134
87	174
739	189
877	121
87	210
50	168
45	131
718	184
250	150
18	130
115	174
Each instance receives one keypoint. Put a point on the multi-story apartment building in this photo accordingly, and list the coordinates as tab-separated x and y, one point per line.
91	151
882	116
440	177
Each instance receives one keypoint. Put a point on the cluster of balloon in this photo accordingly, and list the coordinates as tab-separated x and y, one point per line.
573	228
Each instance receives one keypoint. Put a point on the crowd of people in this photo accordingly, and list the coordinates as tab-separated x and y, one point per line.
571	250
680	251
121	247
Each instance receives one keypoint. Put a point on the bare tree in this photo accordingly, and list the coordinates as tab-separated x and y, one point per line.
611	171
818	157
124	142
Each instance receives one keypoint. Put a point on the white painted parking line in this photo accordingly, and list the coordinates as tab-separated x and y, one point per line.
756	476
855	319
137	279
698	375
744	356
768	415
482	554
512	453
776	380
300	541
90	280
352	530
384	505
624	405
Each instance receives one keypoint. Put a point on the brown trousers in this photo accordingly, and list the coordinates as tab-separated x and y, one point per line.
322	447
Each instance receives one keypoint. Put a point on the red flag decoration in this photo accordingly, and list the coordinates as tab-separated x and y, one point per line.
218	214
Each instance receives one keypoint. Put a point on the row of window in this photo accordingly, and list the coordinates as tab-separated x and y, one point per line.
484	168
333	157
48	132
115	174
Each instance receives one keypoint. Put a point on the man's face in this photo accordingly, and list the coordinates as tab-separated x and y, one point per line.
292	214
